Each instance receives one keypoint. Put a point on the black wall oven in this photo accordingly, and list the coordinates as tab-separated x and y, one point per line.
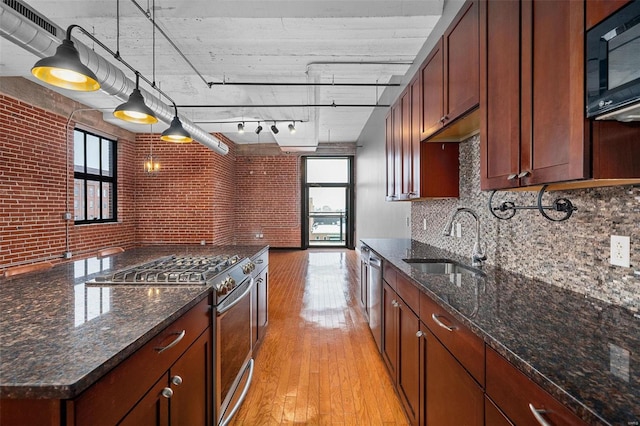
613	66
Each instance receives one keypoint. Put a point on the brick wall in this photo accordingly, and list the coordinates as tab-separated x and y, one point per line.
36	187
191	199
268	200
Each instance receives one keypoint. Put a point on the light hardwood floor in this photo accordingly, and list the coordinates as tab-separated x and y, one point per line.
318	364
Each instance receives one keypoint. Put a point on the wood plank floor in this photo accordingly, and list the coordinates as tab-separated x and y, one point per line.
318	364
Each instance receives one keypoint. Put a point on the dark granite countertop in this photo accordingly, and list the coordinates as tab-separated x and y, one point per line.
583	351
58	335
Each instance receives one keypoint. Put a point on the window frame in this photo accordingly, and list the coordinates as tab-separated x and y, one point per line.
86	176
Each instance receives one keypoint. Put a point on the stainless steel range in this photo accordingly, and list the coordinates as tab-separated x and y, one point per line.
232	282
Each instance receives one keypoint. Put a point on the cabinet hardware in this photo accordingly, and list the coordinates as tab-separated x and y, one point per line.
508	209
395	304
167	393
524	174
419	334
259	261
512	176
436	319
537	414
180	334
176	380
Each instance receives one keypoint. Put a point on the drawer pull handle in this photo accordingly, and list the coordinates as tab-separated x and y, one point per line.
176	380
538	415
419	334
259	261
180	334
512	176
167	393
436	319
524	174
395	304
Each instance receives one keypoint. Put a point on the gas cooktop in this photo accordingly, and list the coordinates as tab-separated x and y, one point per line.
171	270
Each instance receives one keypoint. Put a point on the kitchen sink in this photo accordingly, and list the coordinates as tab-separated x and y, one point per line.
442	266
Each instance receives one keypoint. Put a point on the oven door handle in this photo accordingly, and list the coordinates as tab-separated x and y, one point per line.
238	299
243	395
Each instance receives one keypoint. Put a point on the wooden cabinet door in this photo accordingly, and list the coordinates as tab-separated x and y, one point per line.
493	416
432	100
553	143
415	190
390	154
598	10
191	384
499	94
406	151
152	409
408	381
453	397
461	63
397	148
390	330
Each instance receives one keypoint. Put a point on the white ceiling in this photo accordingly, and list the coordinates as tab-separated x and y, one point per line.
301	41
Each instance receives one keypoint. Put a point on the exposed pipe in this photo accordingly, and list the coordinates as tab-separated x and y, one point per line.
331	105
255	83
24	33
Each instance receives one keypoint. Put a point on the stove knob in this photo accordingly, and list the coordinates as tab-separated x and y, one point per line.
231	283
221	288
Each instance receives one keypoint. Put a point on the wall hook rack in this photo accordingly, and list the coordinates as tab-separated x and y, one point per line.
508	209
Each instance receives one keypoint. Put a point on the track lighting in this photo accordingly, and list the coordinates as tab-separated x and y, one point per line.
176	133
241	128
258	129
274	129
135	110
292	127
65	70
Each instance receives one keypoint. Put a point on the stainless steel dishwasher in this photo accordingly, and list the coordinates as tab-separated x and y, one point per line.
375	298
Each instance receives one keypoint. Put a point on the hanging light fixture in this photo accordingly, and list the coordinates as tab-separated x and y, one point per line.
241	127
135	110
258	129
274	129
176	133
151	164
292	127
65	70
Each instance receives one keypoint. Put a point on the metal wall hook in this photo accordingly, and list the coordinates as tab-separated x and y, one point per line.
508	208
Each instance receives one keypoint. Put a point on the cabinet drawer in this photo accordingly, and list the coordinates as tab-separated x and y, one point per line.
389	274
408	292
107	401
261	262
458	339
516	395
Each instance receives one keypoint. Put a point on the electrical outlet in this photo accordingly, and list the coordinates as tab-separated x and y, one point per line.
458	230
620	250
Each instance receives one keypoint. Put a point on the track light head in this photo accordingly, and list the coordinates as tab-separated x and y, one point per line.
258	129
274	129
292	128
241	128
65	70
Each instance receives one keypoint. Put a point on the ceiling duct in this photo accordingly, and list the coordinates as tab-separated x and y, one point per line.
23	31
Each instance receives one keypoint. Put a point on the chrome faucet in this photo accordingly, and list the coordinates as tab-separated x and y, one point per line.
478	255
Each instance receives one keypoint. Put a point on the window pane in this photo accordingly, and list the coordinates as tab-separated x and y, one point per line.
327	170
93	154
107	200
78	151
107	167
93	200
327	216
78	199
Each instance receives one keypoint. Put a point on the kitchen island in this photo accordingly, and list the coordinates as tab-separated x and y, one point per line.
61	334
582	351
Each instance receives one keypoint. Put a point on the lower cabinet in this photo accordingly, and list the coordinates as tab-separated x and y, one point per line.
401	351
182	395
452	395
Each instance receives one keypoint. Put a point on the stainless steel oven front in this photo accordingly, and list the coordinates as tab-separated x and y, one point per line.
233	367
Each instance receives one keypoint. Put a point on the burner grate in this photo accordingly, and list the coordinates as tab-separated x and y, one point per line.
172	270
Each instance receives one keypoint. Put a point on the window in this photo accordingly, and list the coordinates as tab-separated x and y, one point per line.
94	167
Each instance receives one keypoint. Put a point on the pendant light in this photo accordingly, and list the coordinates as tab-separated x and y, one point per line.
135	110
65	70
176	133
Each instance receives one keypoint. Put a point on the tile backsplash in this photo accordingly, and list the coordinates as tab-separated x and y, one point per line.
572	254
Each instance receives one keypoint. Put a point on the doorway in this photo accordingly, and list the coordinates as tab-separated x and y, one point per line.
327	202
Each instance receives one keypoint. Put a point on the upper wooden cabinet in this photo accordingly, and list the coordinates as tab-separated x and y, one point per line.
450	74
533	129
597	10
